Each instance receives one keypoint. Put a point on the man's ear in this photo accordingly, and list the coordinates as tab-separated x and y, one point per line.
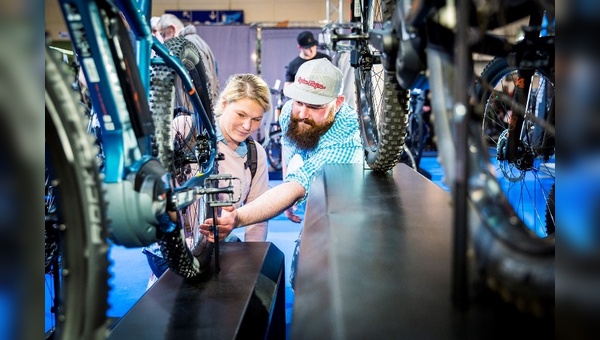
340	100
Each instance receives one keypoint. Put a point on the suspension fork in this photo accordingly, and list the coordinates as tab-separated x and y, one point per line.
525	73
515	129
548	141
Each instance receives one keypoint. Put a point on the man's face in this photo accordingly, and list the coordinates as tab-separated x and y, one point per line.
309	122
168	32
309	53
157	34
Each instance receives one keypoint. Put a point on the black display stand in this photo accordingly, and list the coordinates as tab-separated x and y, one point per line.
246	300
375	263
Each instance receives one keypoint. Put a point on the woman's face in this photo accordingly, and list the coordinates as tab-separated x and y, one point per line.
239	119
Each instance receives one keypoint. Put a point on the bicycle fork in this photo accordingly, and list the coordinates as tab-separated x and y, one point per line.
514	150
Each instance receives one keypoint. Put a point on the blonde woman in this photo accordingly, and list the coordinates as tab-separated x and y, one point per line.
239	111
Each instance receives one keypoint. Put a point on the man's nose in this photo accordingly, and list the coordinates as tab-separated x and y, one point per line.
303	112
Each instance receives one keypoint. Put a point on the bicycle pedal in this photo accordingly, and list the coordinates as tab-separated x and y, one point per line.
223	190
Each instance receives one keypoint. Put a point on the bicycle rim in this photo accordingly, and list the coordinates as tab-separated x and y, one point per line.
382	105
81	212
273	149
528	180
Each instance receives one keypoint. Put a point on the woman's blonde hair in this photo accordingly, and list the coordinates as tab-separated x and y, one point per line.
245	86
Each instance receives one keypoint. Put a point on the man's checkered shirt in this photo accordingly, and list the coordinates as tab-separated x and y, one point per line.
341	144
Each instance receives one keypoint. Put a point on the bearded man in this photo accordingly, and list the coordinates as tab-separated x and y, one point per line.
318	128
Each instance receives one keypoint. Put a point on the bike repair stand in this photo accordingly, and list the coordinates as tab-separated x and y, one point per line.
462	111
216	234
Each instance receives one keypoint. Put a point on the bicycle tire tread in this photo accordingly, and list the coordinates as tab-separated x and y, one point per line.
84	278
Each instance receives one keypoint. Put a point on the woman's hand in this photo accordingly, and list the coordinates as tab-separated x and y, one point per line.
226	223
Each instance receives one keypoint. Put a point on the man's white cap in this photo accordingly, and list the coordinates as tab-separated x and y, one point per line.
317	82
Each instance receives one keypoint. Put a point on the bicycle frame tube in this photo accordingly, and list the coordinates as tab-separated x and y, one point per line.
91	45
93	49
164	57
137	15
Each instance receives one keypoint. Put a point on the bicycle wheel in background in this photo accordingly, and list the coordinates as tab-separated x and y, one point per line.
273	148
381	104
80	213
528	180
181	146
417	130
416	133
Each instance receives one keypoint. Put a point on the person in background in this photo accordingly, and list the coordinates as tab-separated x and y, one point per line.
239	112
318	128
154	25
170	26
307	44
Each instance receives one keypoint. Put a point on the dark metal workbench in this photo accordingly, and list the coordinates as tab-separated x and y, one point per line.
375	263
245	300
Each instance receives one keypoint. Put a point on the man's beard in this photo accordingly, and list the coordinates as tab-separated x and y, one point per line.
306	135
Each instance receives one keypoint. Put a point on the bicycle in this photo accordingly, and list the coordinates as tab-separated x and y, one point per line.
430	37
383	106
526	168
142	175
498	234
381	103
530	174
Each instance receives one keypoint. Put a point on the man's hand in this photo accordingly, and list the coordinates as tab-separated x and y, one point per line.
226	223
172	215
289	213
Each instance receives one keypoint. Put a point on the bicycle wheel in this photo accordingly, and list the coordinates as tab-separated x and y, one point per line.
527	180
381	104
273	149
80	213
414	140
417	132
51	229
181	146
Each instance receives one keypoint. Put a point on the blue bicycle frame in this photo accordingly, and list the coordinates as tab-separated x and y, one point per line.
121	103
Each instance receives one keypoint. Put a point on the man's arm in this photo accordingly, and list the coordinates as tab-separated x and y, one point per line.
289	212
270	204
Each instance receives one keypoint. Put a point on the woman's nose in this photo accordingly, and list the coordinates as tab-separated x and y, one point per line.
247	124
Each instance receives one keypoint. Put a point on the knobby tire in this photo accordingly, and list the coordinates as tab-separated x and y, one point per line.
177	133
81	212
382	105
